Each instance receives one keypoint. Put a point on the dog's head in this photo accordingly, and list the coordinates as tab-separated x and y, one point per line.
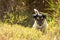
39	18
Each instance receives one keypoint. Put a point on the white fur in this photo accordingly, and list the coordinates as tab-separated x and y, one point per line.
36	11
44	25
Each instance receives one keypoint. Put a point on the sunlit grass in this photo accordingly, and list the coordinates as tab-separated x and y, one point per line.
18	32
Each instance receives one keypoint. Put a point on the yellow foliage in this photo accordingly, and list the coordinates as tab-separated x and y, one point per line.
18	32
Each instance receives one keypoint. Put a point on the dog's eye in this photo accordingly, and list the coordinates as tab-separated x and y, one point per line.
34	16
37	17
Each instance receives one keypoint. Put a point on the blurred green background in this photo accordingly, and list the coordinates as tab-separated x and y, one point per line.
21	11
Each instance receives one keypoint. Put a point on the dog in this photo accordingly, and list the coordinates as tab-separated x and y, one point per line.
40	21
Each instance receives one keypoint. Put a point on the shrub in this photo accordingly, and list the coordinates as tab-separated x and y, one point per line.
55	8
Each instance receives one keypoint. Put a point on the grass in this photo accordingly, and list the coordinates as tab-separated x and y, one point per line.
18	32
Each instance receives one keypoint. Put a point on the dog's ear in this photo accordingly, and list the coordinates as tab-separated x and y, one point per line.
44	16
34	15
36	11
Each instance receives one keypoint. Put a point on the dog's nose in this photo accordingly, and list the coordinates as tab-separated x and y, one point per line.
40	25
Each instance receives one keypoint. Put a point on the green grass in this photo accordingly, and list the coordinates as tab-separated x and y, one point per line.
18	32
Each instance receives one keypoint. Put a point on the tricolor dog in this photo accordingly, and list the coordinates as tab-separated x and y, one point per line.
39	20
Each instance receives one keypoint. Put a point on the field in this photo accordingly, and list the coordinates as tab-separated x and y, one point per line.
18	32
16	19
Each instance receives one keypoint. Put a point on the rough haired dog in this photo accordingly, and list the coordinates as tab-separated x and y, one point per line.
39	20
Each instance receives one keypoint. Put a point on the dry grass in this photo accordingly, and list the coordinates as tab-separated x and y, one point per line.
18	32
